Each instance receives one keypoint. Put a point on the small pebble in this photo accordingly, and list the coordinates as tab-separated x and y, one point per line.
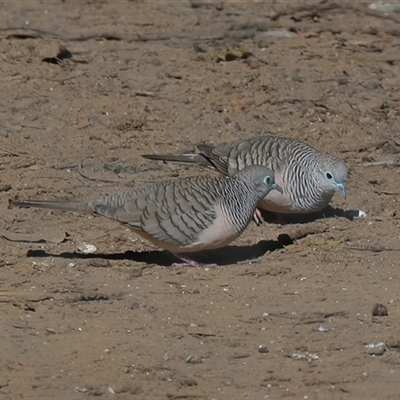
87	248
376	349
194	359
83	389
281	33
188	382
322	328
262	348
379	310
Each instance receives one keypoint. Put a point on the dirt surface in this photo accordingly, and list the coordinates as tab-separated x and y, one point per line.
268	321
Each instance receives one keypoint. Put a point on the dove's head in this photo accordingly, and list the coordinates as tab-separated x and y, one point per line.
262	178
332	175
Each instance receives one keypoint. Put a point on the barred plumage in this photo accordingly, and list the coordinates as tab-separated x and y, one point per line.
183	215
309	179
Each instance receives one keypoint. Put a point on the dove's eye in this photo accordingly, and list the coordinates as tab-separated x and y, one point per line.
328	175
267	179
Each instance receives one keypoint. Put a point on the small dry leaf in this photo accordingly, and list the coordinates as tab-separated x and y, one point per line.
233	54
63	54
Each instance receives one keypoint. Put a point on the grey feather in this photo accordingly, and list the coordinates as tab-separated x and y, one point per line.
309	179
182	215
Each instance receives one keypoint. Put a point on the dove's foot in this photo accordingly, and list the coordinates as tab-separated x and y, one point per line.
258	218
190	262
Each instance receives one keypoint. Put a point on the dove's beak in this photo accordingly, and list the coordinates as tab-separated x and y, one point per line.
277	187
341	189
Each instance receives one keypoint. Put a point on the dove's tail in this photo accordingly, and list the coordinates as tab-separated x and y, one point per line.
62	205
190	158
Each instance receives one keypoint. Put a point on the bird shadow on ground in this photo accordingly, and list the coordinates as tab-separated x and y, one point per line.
327	212
220	257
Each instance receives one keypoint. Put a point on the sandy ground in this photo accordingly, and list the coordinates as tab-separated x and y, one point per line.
268	321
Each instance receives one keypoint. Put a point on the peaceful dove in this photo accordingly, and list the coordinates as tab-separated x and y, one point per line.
309	179
183	215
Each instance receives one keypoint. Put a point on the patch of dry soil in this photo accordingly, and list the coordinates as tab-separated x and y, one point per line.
268	322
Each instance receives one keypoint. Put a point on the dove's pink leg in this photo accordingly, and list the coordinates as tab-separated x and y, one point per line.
258	218
189	262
